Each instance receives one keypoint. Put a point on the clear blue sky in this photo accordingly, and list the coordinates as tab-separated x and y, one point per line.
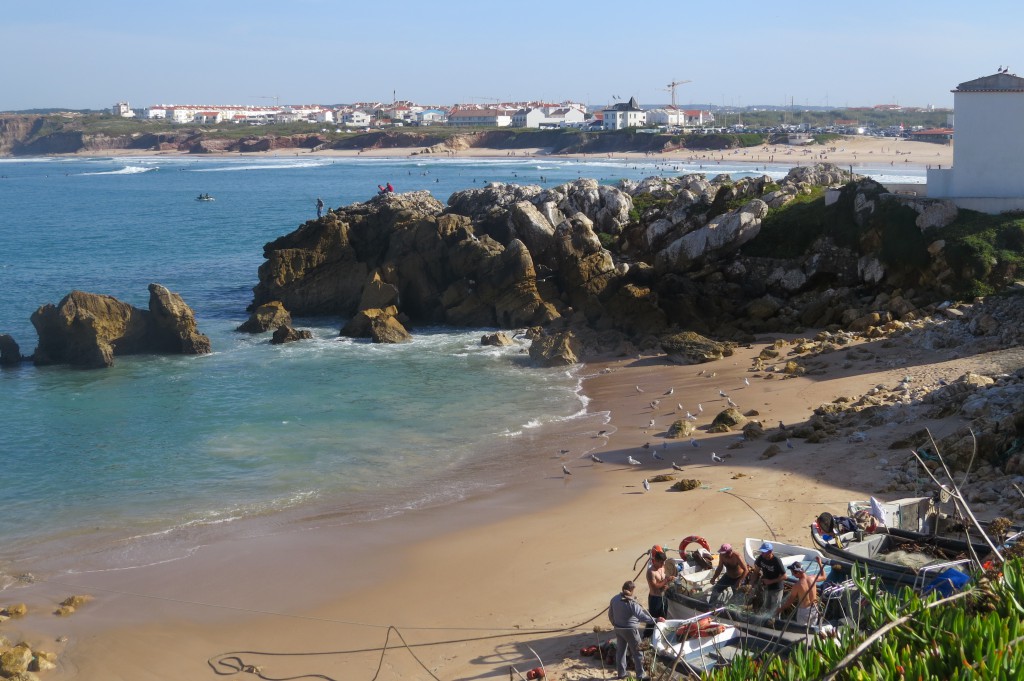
92	53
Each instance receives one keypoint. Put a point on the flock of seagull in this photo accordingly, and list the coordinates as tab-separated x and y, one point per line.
651	424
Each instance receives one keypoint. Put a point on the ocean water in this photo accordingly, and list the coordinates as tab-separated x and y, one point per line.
143	462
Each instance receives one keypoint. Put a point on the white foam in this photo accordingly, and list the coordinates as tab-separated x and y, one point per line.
290	165
127	170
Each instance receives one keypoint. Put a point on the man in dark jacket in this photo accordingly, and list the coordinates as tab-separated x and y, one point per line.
626	614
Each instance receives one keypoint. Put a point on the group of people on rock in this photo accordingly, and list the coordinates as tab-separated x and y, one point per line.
382	189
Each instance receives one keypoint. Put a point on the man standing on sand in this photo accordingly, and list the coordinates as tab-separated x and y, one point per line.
657	583
625	614
736	570
771	574
804	595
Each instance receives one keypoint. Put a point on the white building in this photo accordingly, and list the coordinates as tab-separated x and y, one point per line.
123	110
624	115
493	118
356	119
431	117
548	117
988	156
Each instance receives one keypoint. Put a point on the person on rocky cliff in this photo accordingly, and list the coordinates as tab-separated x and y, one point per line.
319	207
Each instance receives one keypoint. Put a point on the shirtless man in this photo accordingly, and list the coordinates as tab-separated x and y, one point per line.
657	583
736	570
804	594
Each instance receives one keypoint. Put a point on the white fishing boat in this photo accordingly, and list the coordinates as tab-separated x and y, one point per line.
682	646
789	554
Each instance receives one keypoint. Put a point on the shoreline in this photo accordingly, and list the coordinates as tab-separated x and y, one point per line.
856	151
542	553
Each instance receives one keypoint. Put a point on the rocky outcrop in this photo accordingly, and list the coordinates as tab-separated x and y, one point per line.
288	334
88	330
266	317
10	353
555	350
379	325
499	339
688	347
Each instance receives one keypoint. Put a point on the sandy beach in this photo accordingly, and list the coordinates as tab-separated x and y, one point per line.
472	587
874	152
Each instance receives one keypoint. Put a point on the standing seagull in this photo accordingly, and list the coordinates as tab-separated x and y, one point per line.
700	408
657	456
670	391
676	466
647	485
679	406
650	424
639	389
565	470
715	458
789	445
729	401
722	393
746	381
693	442
596	459
632	462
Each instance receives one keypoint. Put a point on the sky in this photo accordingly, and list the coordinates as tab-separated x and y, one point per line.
89	54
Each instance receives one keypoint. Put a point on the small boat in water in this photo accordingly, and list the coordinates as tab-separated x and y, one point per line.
205	197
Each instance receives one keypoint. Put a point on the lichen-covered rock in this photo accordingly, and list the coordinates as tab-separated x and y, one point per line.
286	333
16	660
689	347
680	428
728	418
685	485
380	326
265	317
498	339
378	294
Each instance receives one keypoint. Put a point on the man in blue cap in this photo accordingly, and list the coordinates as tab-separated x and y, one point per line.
771	575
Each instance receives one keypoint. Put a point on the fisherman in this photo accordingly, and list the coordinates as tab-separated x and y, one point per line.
657	583
625	614
771	575
736	570
319	207
804	594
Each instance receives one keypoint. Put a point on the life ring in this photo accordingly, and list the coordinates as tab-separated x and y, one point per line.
690	540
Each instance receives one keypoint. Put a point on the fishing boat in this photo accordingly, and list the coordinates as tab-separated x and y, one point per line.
205	197
698	645
913	557
788	554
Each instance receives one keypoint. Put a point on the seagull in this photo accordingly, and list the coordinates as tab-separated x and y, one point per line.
722	393
639	389
693	442
789	445
563	452
701	372
712	374
657	456
566	470
728	400
782	426
690	417
676	466
647	485
715	458
646	445
596	459
679	406
670	391
746	381
700	408
602	433
650	424
655	403
632	462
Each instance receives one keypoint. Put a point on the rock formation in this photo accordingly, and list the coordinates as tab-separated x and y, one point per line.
266	317
10	353
88	330
286	334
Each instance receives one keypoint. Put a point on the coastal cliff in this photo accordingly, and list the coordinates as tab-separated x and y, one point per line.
626	265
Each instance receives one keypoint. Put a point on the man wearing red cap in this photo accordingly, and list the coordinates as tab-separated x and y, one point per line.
657	583
735	572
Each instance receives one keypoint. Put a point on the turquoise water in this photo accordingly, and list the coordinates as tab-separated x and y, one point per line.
143	462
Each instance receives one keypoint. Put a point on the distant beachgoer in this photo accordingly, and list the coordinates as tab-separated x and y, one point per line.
319	207
625	614
804	594
736	570
657	583
390	188
771	575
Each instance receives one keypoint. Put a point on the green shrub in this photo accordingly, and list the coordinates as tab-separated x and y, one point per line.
790	230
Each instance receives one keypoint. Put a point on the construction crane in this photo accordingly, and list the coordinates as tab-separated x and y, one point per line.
672	88
277	100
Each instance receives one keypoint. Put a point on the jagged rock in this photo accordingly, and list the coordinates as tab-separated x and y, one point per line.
680	428
723	234
727	419
559	349
44	661
381	326
753	430
268	316
288	334
688	347
498	339
87	330
16	660
378	294
10	353
770	451
531	227
606	207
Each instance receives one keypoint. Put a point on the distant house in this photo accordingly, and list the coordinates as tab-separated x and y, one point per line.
988	159
937	135
494	118
123	110
431	117
679	118
624	115
356	119
548	117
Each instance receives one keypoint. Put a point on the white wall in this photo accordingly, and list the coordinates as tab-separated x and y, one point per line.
988	158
